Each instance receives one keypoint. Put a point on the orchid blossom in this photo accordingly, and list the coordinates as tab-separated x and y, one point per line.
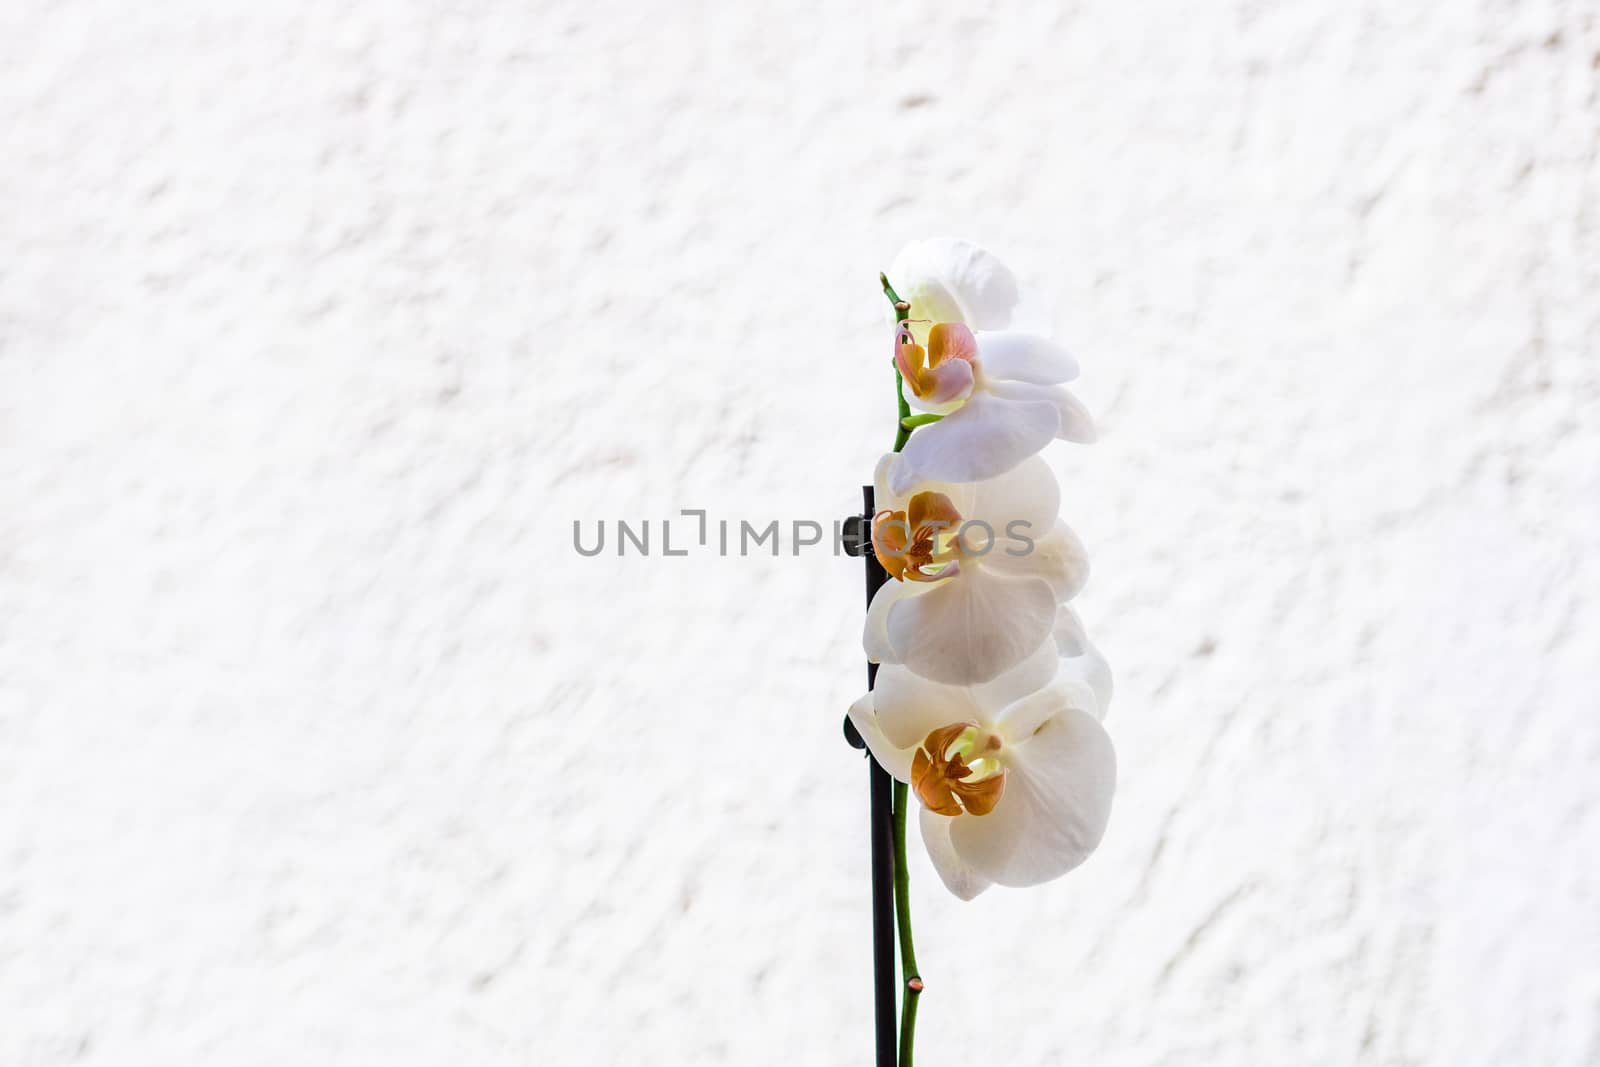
1014	776
975	354
988	696
977	571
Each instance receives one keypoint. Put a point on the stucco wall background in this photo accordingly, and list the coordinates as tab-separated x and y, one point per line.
320	323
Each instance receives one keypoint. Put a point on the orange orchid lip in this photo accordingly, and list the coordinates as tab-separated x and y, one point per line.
944	781
907	543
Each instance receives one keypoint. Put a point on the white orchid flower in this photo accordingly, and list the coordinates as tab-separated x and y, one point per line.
1015	776
977	570
978	356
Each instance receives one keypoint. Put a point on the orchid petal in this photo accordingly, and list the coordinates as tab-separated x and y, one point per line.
1018	504
1036	670
1024	357
875	636
882	498
1073	421
969	629
986	437
1021	719
1071	638
1077	425
1056	805
1081	660
891	757
1058	558
957	875
1092	670
950	280
910	707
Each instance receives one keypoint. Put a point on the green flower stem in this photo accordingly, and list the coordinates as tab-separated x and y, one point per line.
902	914
912	991
902	310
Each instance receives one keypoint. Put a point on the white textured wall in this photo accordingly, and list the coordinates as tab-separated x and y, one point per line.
320	322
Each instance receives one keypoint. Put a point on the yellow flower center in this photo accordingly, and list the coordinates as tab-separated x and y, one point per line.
956	771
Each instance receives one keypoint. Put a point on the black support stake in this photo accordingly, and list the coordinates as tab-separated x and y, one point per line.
881	824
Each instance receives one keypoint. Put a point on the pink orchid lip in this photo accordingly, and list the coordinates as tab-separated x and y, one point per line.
944	371
952	380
